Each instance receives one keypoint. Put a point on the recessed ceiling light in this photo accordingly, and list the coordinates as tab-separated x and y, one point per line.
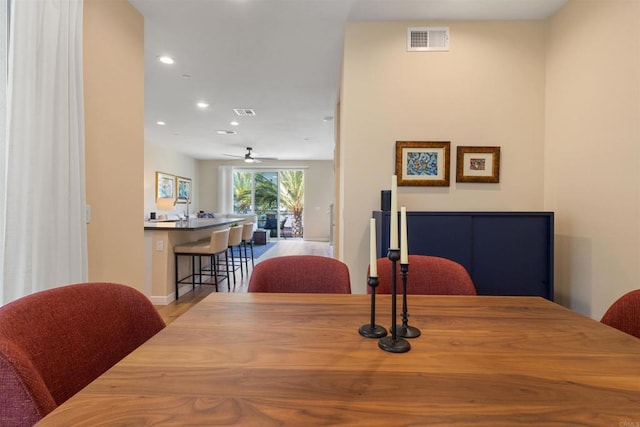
226	132
161	123
234	123
166	60
202	105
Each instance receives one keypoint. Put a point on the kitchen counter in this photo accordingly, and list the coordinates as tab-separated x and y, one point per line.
160	238
191	224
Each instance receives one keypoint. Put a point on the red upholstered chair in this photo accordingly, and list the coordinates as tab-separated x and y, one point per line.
55	342
301	274
428	275
624	314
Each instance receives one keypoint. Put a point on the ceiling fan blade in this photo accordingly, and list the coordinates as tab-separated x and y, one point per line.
249	155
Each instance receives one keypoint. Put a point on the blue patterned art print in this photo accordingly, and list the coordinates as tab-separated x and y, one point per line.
422	163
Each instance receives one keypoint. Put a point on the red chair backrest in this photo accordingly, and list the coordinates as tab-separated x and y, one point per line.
301	274
427	275
55	342
624	314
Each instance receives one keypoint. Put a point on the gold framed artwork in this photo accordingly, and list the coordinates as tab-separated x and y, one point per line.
423	163
478	164
184	189
165	186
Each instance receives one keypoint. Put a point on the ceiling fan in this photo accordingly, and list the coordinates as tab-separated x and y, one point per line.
248	158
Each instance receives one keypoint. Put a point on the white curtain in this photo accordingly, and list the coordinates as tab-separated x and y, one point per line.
4	25
45	219
225	189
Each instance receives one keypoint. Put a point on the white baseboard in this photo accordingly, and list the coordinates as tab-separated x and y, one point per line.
166	300
156	300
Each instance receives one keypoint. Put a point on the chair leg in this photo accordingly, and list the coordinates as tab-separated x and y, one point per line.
175	263
214	266
245	259
240	260
226	261
193	272
215	271
233	264
249	243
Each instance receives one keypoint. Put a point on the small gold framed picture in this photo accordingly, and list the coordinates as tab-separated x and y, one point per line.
478	164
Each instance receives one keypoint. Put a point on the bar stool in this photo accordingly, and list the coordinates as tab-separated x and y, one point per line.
235	238
247	239
212	248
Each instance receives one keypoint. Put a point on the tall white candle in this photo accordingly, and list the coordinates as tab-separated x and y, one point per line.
393	244
404	252
373	255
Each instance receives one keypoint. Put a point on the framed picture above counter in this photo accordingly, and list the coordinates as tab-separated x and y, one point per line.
184	189
165	186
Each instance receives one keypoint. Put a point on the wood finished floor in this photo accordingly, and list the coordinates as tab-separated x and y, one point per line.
174	310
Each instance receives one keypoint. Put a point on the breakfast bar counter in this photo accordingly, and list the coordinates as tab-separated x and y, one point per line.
191	224
160	238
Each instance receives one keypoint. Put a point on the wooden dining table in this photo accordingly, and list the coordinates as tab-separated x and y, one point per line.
298	359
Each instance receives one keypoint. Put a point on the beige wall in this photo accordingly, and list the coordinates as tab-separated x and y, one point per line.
487	90
319	191
114	103
319	195
592	160
158	158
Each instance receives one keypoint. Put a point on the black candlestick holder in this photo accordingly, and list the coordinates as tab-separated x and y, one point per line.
392	343
371	330
404	330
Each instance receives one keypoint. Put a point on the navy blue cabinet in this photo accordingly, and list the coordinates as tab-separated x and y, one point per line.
506	253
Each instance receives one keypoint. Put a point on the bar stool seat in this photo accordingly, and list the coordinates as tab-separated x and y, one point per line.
212	248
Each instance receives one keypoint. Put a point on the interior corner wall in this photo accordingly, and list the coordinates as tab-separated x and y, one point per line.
337	189
487	90
592	152
318	197
114	140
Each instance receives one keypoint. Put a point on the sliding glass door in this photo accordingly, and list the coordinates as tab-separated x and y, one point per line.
292	202
276	197
266	201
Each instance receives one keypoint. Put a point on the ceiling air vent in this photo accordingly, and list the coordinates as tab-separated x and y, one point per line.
427	39
244	111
